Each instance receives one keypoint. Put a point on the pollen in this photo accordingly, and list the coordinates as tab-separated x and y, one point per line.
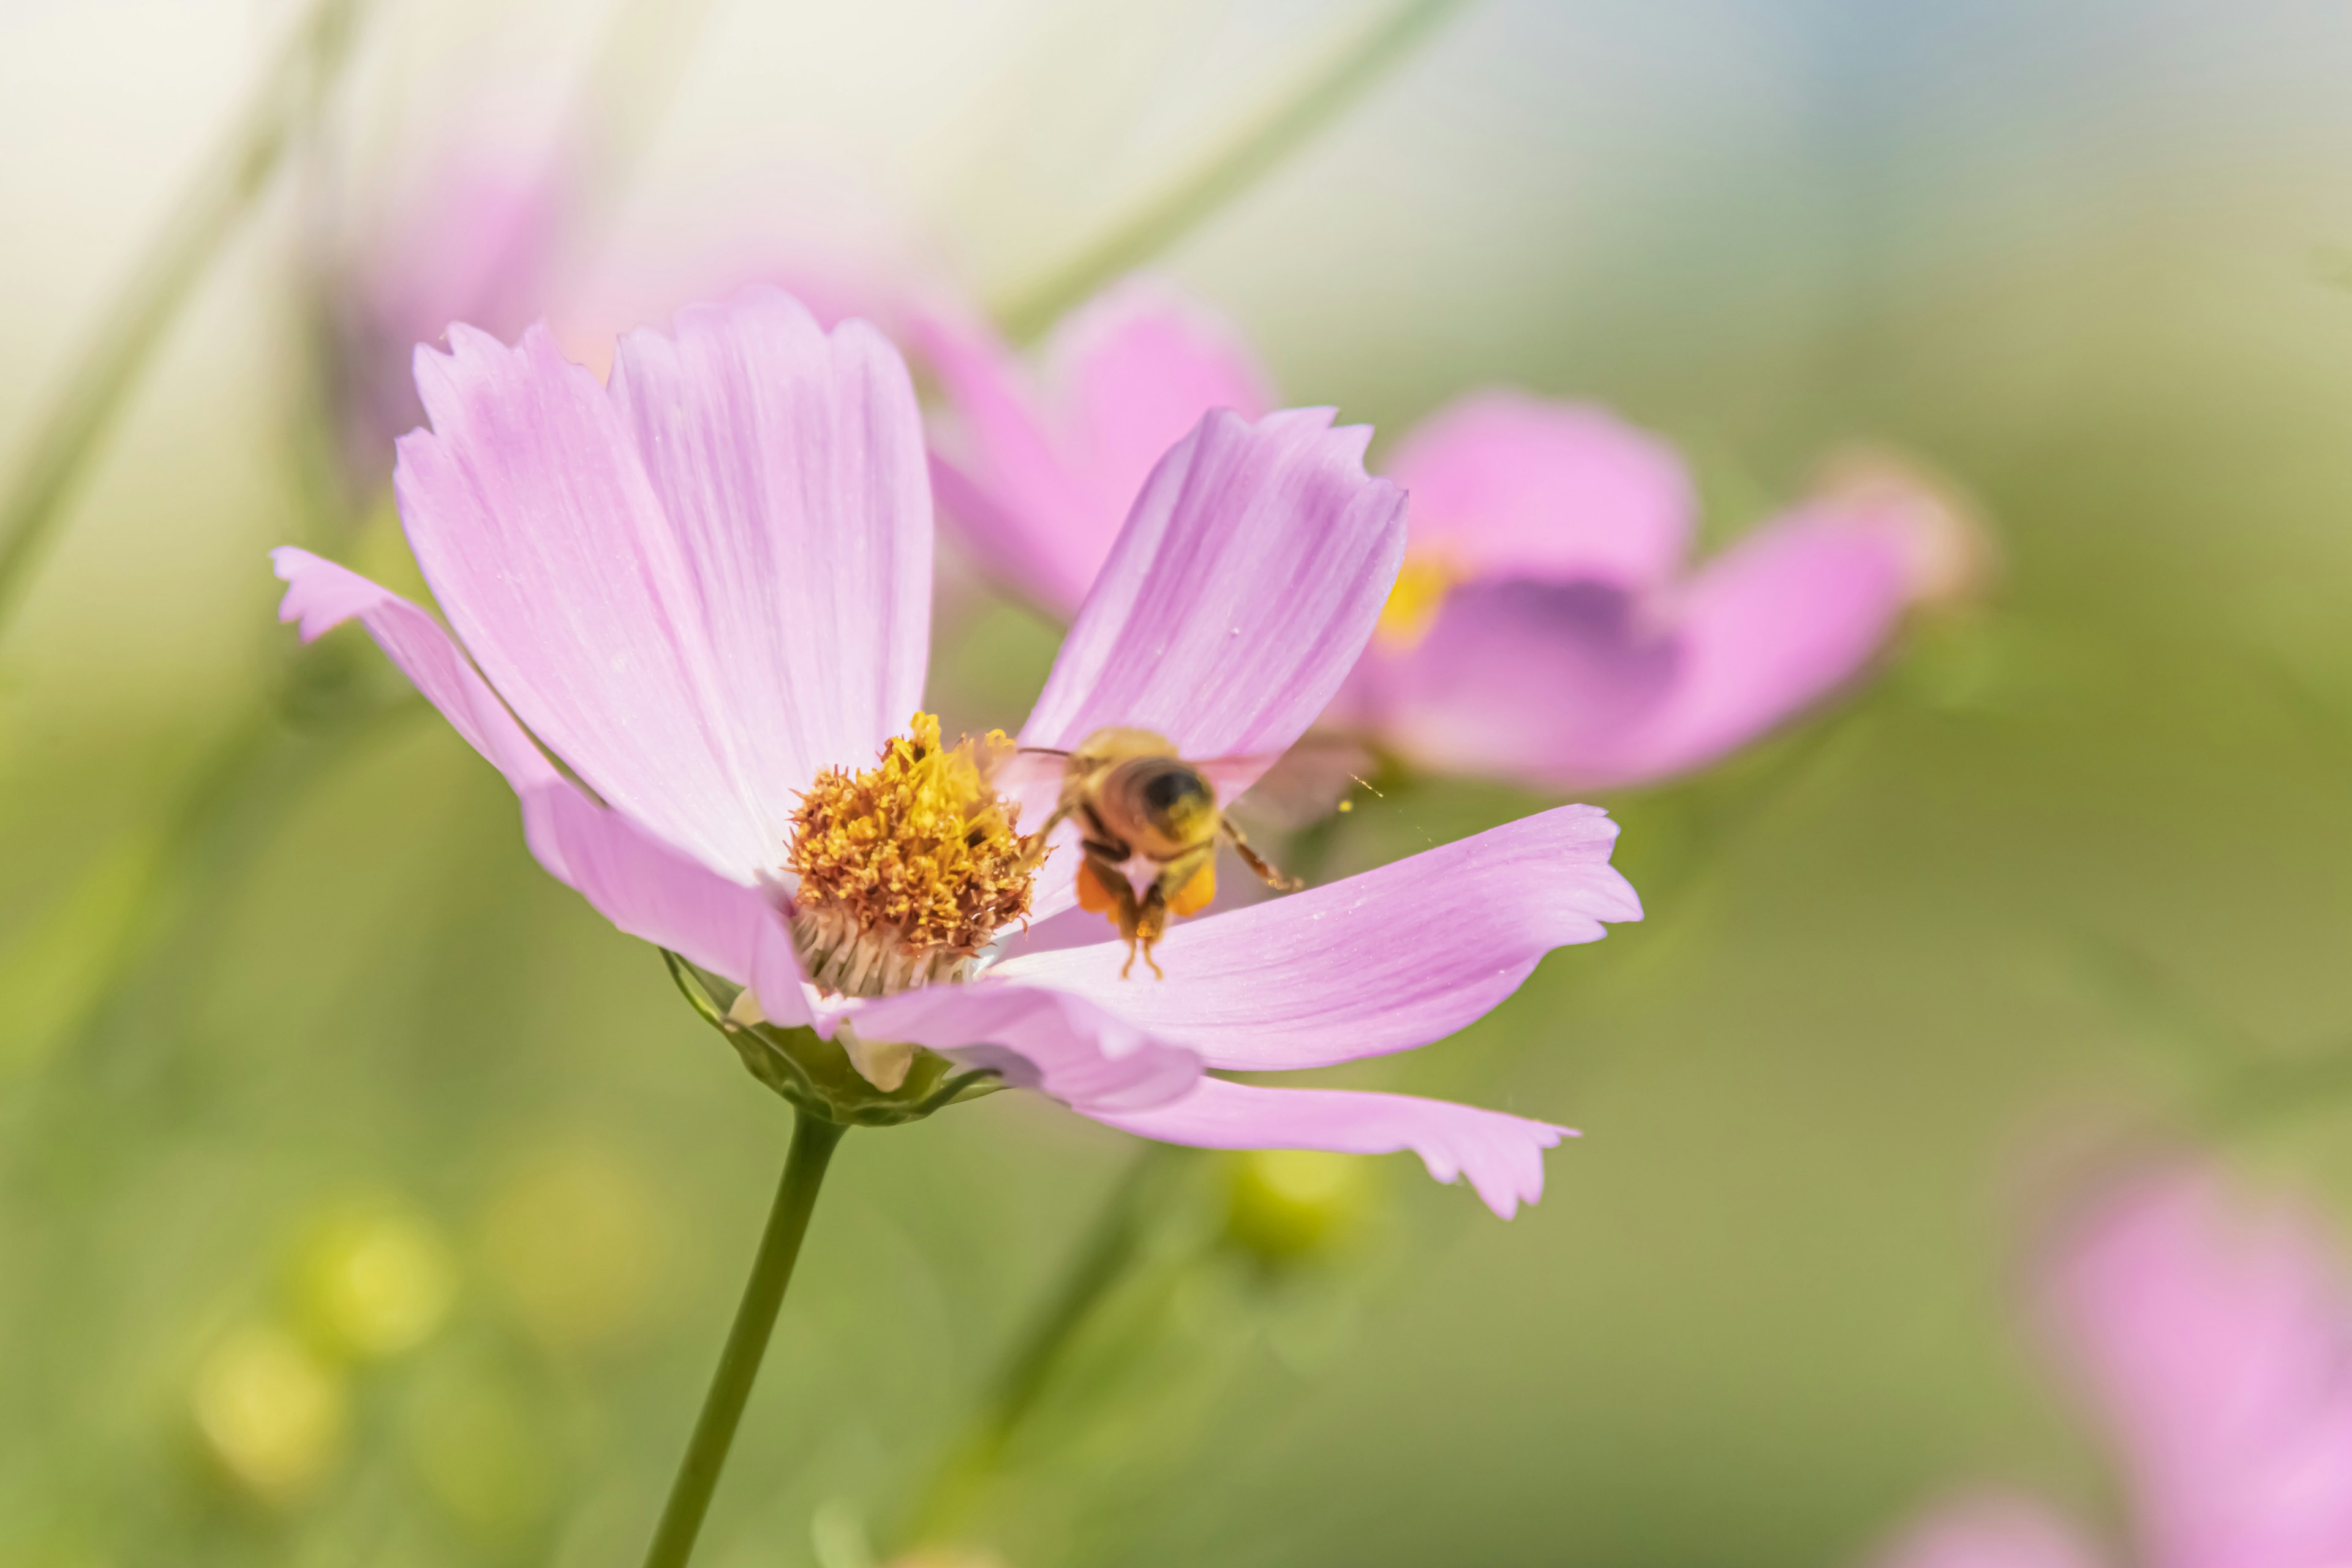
906	869
1420	593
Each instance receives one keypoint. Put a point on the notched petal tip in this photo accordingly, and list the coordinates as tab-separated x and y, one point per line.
319	594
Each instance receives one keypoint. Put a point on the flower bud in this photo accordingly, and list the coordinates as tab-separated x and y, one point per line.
1286	1204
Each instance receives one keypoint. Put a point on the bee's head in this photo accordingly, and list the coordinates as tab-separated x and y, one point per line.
1174	801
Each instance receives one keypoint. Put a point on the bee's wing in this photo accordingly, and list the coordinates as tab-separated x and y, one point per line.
1030	777
1293	789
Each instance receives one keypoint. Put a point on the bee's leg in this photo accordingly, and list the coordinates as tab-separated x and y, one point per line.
1032	845
1150	925
1254	861
1109	876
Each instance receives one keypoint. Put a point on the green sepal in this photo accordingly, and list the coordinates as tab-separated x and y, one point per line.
815	1074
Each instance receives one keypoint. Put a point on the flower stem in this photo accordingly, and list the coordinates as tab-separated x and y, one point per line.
814	1139
1099	1263
209	213
1250	151
1096	1268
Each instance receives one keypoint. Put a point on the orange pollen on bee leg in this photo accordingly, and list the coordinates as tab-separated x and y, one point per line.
1093	896
1196	893
906	869
1422	585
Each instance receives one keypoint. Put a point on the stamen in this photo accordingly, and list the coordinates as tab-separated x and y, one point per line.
1421	584
907	868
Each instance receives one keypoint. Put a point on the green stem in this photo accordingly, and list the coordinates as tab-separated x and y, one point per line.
1099	1263
739	1364
1250	152
205	217
1096	1268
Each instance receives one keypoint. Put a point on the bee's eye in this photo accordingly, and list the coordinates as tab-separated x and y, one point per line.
1175	797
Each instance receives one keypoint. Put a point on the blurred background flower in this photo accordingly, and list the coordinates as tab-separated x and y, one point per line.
2213	1338
1542	630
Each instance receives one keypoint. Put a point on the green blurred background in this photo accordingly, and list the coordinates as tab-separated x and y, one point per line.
330	1123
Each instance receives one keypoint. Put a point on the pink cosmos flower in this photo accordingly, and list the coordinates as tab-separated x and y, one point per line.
704	589
2216	1348
1546	627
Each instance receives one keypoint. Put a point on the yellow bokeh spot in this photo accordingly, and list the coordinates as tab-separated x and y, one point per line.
377	1281
270	1411
1421	584
1288	1203
573	1239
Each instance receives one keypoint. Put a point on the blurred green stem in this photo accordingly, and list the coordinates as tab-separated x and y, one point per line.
813	1140
208	214
1099	1263
1237	162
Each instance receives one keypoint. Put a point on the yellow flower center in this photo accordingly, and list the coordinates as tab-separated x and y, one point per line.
908	868
1421	584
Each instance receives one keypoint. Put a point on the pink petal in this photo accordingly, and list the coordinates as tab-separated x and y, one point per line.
1380	962
323	596
1504	484
604	620
1141	365
1039	477
651	890
1774	623
1584	686
2218	1344
1063	1046
642	885
1990	1531
1244	584
1539	682
790	464
1502	1155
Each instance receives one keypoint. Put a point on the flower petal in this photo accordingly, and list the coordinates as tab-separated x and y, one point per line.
1041	475
1993	1531
1505	484
547	548
789	463
1380	962
629	569
1063	1046
1774	623
1244	584
1537	682
1501	1154
323	596
671	899
642	885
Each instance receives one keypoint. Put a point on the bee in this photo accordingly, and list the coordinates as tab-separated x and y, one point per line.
1135	799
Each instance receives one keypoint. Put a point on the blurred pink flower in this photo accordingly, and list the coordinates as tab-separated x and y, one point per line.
2216	1347
475	242
704	584
1546	627
1992	1530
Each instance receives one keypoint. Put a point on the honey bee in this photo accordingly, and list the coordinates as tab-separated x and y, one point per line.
1136	799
